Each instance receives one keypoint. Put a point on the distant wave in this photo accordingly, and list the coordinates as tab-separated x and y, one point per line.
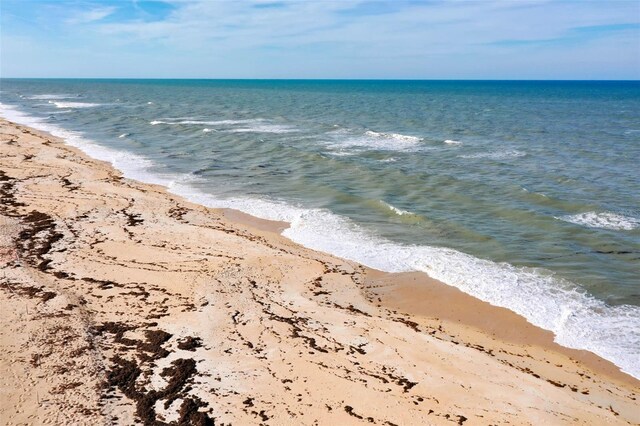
496	155
73	104
207	123
452	142
253	125
51	96
263	128
603	220
124	135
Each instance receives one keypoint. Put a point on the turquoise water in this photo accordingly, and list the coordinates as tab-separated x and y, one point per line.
524	194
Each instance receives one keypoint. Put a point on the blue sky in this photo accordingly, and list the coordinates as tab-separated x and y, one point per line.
421	39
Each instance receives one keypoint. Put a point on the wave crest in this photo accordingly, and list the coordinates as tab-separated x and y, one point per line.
603	220
498	155
396	210
74	104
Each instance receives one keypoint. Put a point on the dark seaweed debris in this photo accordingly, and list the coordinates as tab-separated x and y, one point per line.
8	203
125	373
37	239
149	350
190	343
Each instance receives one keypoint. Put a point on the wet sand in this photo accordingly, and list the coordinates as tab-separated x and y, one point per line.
125	304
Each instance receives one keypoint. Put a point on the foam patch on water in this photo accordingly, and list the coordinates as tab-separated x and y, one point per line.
74	104
373	140
498	155
452	142
603	220
392	136
124	135
576	319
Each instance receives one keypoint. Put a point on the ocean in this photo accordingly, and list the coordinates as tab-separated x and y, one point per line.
523	194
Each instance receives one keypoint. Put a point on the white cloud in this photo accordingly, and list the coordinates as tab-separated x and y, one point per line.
93	15
229	25
363	39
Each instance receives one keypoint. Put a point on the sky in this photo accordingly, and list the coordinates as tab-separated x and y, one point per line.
416	39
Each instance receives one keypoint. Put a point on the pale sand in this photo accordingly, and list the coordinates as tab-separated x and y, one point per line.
105	281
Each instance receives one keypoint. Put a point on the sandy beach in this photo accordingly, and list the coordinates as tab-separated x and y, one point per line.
124	304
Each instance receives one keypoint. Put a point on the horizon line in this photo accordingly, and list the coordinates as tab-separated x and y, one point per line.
320	79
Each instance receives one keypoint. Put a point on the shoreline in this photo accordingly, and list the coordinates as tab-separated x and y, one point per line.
292	299
418	294
541	300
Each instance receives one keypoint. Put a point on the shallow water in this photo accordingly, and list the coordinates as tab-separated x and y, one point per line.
524	194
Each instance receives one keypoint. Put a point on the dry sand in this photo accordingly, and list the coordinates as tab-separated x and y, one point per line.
122	304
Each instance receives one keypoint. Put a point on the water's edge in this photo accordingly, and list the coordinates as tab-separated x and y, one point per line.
577	320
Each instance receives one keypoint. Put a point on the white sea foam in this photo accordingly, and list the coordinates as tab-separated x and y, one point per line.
207	123
373	140
452	142
342	153
253	125
577	319
263	128
396	210
392	136
51	96
73	104
132	165
497	155
603	220
205	130
124	135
